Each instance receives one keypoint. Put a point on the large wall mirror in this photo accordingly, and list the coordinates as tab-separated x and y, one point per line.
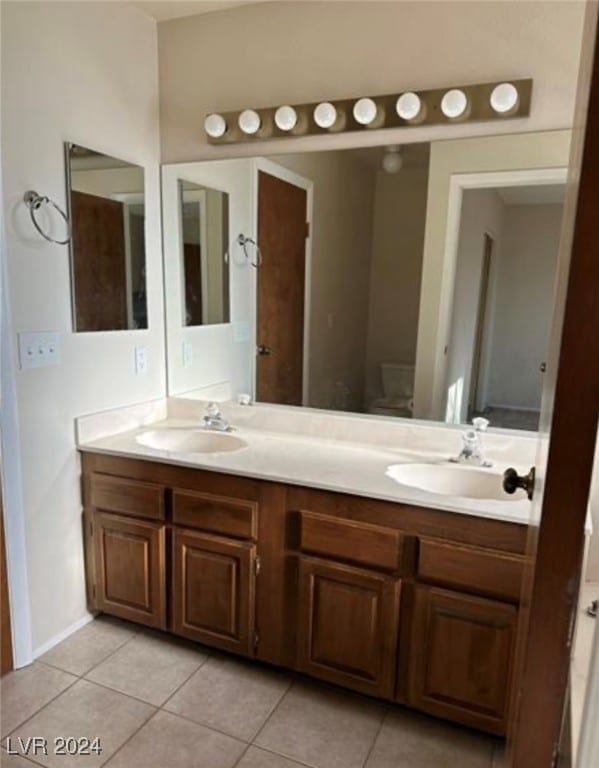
410	281
108	253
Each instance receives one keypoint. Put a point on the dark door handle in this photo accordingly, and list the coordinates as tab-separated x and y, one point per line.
512	481
263	349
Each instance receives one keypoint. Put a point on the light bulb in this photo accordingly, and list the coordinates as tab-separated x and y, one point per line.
249	121
286	118
392	160
408	106
365	111
454	103
504	98
215	126
325	115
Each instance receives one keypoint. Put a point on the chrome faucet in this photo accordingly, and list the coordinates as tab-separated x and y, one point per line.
214	419
472	449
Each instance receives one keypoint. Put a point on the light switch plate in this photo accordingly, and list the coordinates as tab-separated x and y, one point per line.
38	349
187	354
241	331
141	360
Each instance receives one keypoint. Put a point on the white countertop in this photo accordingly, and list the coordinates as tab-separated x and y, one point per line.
300	458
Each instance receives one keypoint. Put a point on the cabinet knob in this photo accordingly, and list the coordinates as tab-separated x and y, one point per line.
263	349
512	481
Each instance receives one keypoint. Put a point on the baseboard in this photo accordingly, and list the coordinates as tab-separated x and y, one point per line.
62	635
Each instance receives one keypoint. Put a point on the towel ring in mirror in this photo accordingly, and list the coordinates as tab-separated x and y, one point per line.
243	241
34	202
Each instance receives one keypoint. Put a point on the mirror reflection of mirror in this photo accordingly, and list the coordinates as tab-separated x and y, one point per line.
108	255
205	244
406	282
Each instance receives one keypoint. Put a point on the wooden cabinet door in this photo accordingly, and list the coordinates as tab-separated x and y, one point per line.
213	590
461	655
347	626
129	563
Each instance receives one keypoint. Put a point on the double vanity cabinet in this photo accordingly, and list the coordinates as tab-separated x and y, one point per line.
408	604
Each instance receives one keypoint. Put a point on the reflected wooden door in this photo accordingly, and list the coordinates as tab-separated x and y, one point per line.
282	233
99	269
566	446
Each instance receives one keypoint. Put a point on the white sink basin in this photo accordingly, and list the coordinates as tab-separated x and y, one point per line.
454	480
190	441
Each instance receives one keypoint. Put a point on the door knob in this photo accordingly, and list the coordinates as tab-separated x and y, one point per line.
512	481
263	349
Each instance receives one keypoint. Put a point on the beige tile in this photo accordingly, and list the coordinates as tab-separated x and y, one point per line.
322	727
167	741
150	667
408	740
230	695
13	761
90	645
26	690
86	710
259	758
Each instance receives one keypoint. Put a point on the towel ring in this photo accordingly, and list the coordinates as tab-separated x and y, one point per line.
34	202
243	241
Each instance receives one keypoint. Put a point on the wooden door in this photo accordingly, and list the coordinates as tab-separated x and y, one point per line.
461	657
348	622
568	430
213	590
192	260
98	263
6	660
282	233
130	572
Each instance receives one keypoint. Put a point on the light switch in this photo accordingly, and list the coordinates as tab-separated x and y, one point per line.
187	354
38	349
241	331
141	360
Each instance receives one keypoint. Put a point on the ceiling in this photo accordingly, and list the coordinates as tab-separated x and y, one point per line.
162	10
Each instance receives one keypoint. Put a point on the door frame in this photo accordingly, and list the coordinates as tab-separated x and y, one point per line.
196	196
280	172
458	184
129	199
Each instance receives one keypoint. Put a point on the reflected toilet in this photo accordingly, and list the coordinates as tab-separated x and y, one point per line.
398	389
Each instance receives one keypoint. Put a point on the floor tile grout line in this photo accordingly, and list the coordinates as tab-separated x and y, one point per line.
37	711
209	656
87	671
376	736
241	756
128	739
273	710
204	724
271	751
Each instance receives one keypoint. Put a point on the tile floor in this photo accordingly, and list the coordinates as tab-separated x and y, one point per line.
158	702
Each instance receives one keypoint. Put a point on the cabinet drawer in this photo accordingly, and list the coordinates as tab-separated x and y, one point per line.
361	543
128	497
475	570
217	514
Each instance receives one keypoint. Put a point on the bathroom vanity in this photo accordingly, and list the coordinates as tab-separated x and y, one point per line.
399	601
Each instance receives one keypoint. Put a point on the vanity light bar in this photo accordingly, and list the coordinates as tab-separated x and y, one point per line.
501	100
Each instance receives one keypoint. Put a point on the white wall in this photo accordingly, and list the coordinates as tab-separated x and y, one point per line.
82	72
482	213
524	296
521	152
399	215
293	52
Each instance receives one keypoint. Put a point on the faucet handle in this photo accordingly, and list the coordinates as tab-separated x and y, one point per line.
480	424
212	409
